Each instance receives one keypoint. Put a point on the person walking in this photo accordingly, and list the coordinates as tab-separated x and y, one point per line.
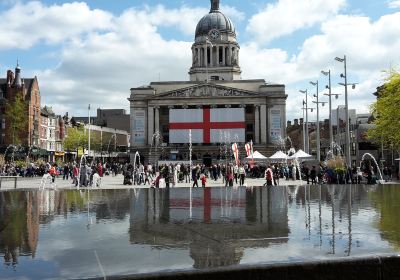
269	175
242	175
195	177
66	172
313	176
53	172
203	181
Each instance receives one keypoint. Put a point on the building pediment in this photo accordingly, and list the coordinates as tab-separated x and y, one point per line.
208	91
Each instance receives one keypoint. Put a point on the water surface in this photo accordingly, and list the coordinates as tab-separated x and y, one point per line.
54	234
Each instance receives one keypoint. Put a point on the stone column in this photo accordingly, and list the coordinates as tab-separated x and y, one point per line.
157	119
223	56
205	56
150	124
229	63
198	56
211	56
256	124
217	56
263	121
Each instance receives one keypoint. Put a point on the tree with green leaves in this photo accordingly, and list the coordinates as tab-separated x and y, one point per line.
17	118
76	139
387	114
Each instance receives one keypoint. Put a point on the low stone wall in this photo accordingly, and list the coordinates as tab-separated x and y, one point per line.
364	268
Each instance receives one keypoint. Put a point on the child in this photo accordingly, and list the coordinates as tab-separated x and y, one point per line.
203	181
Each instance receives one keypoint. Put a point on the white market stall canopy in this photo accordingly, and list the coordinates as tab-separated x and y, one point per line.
257	155
279	155
300	154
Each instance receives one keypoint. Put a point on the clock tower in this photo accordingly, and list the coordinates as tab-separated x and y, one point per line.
215	51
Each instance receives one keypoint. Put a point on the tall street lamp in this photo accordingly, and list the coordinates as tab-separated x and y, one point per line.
329	87
318	130
345	84
89	132
307	141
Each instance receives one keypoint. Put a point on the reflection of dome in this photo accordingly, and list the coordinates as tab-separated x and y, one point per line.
208	255
214	20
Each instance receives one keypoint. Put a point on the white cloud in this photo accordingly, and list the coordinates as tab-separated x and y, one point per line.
24	25
370	46
101	68
233	13
286	16
101	61
394	4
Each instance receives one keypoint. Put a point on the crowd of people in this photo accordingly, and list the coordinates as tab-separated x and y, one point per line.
197	175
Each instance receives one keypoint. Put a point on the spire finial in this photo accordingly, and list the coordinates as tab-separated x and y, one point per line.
214	5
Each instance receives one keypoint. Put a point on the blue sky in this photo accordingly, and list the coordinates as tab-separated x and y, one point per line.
95	51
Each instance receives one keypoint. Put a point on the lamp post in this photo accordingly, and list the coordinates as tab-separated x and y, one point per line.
304	127
329	87
318	130
89	132
345	84
307	141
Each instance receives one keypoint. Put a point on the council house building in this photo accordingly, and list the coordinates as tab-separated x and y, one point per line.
215	107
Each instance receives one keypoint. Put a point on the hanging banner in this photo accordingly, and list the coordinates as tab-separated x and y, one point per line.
139	124
275	131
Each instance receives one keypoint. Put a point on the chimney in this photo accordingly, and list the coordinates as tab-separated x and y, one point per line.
296	122
301	121
289	124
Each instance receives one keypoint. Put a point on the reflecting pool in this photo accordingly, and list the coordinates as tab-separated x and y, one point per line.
54	234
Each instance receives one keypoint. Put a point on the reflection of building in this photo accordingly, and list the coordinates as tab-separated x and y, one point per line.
217	224
19	224
216	104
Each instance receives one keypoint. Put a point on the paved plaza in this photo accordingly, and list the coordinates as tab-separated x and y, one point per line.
110	182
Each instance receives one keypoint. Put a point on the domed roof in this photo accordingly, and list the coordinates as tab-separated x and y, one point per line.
214	20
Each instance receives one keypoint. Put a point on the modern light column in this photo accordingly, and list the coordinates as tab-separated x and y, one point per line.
307	145
329	87
304	127
257	124
89	132
345	84
318	127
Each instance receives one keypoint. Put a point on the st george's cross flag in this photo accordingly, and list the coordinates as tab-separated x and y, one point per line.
235	151
249	148
208	125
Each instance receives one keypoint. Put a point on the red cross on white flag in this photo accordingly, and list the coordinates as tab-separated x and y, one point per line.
208	125
248	149
236	152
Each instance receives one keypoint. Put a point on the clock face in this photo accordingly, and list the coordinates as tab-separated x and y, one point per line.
214	34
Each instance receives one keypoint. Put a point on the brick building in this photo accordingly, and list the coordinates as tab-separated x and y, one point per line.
9	88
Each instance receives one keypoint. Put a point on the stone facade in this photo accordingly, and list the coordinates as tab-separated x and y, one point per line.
215	82
9	87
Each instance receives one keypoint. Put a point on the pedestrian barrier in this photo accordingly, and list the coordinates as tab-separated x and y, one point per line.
9	178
